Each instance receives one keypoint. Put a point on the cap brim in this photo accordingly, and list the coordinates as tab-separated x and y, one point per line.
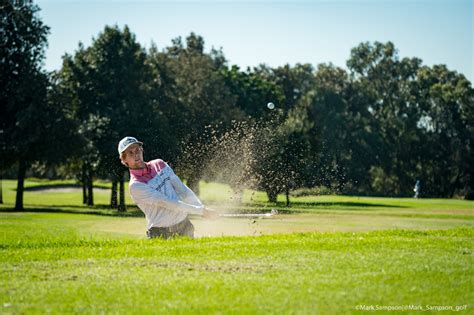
138	142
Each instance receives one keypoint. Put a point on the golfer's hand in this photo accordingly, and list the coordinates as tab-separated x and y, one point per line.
210	214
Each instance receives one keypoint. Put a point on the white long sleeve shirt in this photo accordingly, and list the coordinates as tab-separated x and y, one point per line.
161	195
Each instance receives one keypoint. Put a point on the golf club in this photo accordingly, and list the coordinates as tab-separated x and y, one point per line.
249	215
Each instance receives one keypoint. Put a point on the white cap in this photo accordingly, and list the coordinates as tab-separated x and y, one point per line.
126	142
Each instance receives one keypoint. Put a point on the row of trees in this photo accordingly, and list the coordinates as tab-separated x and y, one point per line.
372	129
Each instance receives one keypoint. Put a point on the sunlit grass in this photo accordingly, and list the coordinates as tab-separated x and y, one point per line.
368	212
47	256
55	258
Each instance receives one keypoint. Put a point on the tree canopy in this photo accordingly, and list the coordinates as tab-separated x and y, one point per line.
374	128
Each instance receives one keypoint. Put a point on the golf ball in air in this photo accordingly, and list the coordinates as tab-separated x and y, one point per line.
271	105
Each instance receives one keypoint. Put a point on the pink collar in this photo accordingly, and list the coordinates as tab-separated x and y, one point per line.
139	172
151	169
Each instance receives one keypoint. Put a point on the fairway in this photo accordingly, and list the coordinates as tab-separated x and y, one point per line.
323	255
306	214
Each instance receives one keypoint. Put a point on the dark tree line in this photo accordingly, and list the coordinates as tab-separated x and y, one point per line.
373	129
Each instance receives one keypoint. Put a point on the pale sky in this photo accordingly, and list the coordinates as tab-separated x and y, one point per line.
275	32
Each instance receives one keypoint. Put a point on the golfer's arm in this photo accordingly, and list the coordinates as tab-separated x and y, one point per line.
143	194
183	191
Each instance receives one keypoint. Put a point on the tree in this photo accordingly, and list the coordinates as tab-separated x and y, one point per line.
422	118
22	86
110	85
286	160
195	96
76	91
252	92
326	108
282	152
446	125
388	84
294	82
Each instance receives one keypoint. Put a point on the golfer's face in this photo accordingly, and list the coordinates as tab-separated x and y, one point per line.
134	156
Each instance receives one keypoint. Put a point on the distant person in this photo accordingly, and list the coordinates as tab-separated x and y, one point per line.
160	194
417	189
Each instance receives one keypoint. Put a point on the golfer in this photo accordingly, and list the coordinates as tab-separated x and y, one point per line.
160	194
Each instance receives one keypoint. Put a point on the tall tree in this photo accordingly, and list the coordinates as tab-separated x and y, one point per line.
195	96
390	91
22	85
252	93
281	152
327	108
287	153
110	83
447	127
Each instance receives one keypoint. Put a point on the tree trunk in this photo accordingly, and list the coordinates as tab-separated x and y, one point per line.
455	185
20	186
272	195
113	196
1	188
287	192
84	183
90	191
122	206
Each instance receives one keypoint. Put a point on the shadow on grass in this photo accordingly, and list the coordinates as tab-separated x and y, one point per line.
354	206
341	204
101	210
245	208
60	186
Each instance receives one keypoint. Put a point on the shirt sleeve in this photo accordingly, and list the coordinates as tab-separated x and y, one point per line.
184	191
144	194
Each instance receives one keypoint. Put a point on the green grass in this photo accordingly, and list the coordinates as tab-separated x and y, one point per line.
330	254
308	214
58	270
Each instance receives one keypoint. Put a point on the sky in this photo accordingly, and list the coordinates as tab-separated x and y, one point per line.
274	32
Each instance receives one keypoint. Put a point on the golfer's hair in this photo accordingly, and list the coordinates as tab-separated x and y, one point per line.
122	156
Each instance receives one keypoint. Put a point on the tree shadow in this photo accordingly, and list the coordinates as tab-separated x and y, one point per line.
256	207
60	186
350	204
96	210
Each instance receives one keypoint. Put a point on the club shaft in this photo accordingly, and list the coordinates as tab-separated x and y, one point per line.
245	215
